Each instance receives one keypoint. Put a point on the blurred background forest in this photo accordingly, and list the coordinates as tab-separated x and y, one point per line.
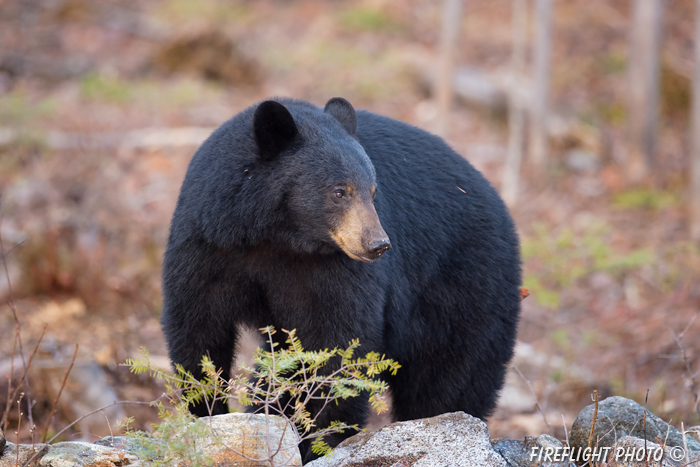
102	105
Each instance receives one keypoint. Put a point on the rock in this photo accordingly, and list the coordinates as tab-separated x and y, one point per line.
582	161
26	451
2	442
452	439
629	451
69	454
236	435
619	417
119	442
525	453
478	88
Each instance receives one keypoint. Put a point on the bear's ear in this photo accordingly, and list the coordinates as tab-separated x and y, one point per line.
273	129
344	112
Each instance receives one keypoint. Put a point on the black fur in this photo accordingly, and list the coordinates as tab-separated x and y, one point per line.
249	245
274	128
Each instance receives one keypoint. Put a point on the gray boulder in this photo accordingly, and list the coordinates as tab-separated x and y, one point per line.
119	442
10	456
449	440
619	417
78	454
242	439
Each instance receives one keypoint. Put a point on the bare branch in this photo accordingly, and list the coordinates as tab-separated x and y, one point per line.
60	391
537	402
11	303
595	416
8	404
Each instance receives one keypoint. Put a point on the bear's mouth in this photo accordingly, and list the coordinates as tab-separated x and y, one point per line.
364	259
351	255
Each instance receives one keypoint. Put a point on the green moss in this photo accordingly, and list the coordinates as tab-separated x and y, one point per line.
612	112
543	295
209	11
556	261
353	71
645	198
368	19
613	63
179	92
16	108
557	376
561	338
103	88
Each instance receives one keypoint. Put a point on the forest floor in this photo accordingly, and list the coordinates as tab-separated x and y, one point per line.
103	104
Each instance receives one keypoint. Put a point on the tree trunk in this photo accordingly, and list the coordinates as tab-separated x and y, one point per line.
542	71
516	111
643	75
452	16
695	136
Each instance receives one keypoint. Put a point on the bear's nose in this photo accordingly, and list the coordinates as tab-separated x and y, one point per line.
378	247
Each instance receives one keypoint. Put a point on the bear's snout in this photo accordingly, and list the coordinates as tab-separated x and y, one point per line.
360	234
377	248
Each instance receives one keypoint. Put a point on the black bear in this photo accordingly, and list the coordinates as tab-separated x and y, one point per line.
282	219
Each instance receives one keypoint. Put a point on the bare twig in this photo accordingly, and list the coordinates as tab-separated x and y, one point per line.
60	391
109	425
668	430
8	404
19	424
23	380
11	304
534	396
267	394
685	443
595	415
644	427
692	383
692	320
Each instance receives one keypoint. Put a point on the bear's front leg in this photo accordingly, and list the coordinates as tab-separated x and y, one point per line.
188	344
198	316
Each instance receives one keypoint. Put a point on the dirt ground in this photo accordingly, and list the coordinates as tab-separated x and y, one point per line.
102	105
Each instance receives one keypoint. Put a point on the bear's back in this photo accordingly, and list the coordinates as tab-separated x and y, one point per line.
425	183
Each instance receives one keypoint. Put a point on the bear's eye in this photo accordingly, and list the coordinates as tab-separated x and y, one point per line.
339	193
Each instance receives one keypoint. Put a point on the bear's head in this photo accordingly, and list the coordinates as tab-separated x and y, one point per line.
329	181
